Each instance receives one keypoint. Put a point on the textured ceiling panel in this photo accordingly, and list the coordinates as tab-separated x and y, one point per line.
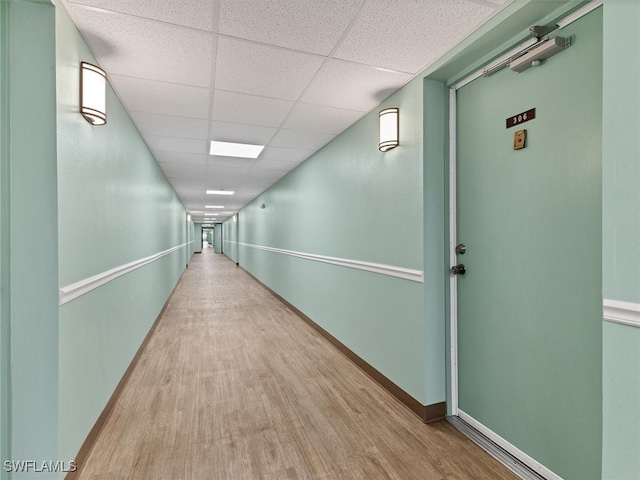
171	126
288	74
173	144
238	133
297	139
418	45
175	171
275	166
219	182
230	162
190	13
249	109
286	154
160	97
309	26
182	158
352	86
321	119
261	178
260	70
141	48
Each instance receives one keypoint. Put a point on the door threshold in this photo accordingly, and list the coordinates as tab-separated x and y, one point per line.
495	450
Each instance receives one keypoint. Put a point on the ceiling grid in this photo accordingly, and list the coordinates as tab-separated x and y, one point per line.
288	74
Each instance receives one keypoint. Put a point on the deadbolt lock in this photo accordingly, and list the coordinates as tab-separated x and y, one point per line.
459	269
461	249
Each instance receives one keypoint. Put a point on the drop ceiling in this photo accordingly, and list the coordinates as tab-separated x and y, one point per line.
288	74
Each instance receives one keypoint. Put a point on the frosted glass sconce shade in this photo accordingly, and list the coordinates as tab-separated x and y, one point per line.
389	131
93	82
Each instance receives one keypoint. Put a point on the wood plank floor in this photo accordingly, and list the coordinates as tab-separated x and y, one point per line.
234	386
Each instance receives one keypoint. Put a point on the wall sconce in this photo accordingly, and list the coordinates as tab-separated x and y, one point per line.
389	131
92	94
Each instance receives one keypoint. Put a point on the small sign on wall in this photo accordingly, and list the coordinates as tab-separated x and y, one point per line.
520	139
521	118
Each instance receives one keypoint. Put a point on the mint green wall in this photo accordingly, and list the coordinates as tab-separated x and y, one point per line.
436	265
372	203
621	149
191	230
5	312
621	237
230	239
621	402
29	285
217	238
197	237
115	206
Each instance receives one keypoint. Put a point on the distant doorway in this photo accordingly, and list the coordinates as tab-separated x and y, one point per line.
207	238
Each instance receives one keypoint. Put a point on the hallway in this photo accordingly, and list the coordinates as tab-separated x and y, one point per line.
233	385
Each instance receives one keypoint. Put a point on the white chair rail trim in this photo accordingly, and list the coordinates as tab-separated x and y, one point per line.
626	313
73	291
389	270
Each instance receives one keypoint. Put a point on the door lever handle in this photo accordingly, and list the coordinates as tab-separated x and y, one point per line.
459	269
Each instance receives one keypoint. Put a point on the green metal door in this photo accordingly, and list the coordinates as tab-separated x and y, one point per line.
529	311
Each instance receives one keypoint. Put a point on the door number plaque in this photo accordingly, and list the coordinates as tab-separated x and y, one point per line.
521	118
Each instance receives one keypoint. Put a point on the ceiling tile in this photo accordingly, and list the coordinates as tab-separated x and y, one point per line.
249	109
218	176
238	133
337	58
230	162
321	119
298	139
147	49
162	98
379	24
172	126
260	70
262	177
191	192
174	144
181	158
190	13
309	26
192	184
180	172
274	166
296	155
354	87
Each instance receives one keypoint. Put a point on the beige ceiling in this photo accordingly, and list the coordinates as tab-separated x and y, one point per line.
288	74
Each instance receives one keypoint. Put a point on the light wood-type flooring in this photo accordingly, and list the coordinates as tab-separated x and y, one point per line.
233	385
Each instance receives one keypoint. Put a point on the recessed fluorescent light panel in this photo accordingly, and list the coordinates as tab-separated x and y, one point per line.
242	150
220	192
213	206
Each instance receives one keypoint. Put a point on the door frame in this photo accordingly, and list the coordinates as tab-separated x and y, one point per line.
498	63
